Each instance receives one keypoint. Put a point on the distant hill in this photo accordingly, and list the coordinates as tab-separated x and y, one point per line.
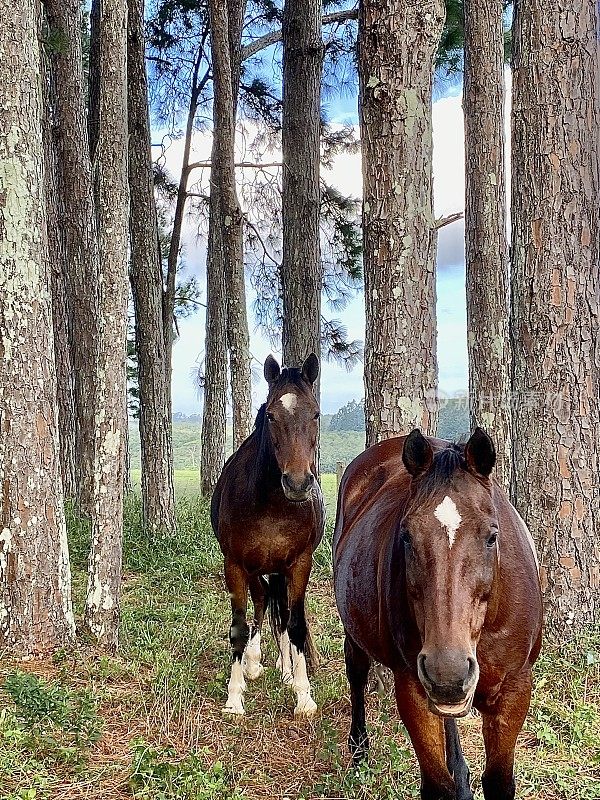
342	435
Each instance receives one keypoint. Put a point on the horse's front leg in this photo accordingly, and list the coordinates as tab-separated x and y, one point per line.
502	723
300	642
237	583
251	665
426	732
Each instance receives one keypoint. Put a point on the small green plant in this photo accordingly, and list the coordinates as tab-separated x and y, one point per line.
52	721
155	774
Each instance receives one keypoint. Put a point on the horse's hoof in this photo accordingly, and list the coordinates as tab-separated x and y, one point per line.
253	672
233	710
305	709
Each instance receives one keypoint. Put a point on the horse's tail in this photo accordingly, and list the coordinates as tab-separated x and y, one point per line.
276	602
455	760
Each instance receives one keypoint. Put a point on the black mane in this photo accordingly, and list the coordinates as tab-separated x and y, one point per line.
445	464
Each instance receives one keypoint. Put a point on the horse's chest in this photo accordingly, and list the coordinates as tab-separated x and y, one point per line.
273	545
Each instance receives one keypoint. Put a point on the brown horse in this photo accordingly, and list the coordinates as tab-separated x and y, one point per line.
267	513
436	577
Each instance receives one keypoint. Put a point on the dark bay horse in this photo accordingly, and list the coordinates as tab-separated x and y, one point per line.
267	513
436	577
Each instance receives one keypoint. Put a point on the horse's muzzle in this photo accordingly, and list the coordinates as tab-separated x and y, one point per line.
298	491
449	679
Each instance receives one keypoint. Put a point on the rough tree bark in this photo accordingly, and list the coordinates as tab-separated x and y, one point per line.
214	410
301	278
110	169
59	284
145	273
487	280
231	220
78	229
35	585
555	298
238	338
397	43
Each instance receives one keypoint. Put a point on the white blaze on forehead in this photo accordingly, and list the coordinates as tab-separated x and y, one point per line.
449	518
289	401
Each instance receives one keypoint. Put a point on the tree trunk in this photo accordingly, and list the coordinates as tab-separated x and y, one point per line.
485	229
78	227
175	241
238	338
214	411
35	585
396	49
110	160
301	278
158	501
59	284
231	230
555	298
93	112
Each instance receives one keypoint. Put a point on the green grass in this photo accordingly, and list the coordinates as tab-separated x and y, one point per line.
187	485
148	724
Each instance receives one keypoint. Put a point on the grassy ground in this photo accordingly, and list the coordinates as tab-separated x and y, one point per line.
147	724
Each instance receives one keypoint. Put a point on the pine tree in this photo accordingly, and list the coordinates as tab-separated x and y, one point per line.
555	298
35	587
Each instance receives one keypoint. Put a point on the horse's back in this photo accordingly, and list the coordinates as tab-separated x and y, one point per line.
232	486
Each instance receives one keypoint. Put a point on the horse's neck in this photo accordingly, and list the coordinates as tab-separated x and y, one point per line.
267	471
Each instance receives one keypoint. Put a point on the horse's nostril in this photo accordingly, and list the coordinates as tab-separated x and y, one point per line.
471	666
421	667
308	482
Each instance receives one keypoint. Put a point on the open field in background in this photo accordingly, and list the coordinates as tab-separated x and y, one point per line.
147	723
334	445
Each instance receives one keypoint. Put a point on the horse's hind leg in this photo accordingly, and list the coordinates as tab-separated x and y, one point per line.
357	670
502	723
300	642
237	583
251	665
426	732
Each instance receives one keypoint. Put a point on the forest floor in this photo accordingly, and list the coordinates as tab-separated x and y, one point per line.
147	723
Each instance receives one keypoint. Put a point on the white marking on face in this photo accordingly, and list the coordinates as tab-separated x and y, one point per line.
449	518
289	401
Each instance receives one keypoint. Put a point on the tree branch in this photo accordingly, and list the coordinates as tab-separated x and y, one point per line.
273	37
260	239
443	221
242	164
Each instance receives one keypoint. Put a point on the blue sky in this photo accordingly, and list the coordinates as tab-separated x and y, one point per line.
339	386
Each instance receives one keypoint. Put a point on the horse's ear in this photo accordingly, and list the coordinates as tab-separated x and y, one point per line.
310	368
480	453
417	453
271	370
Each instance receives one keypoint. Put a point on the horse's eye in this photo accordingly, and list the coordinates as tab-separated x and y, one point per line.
317	415
492	539
405	536
270	417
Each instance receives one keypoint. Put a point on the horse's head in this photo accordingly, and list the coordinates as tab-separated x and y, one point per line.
292	416
451	556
